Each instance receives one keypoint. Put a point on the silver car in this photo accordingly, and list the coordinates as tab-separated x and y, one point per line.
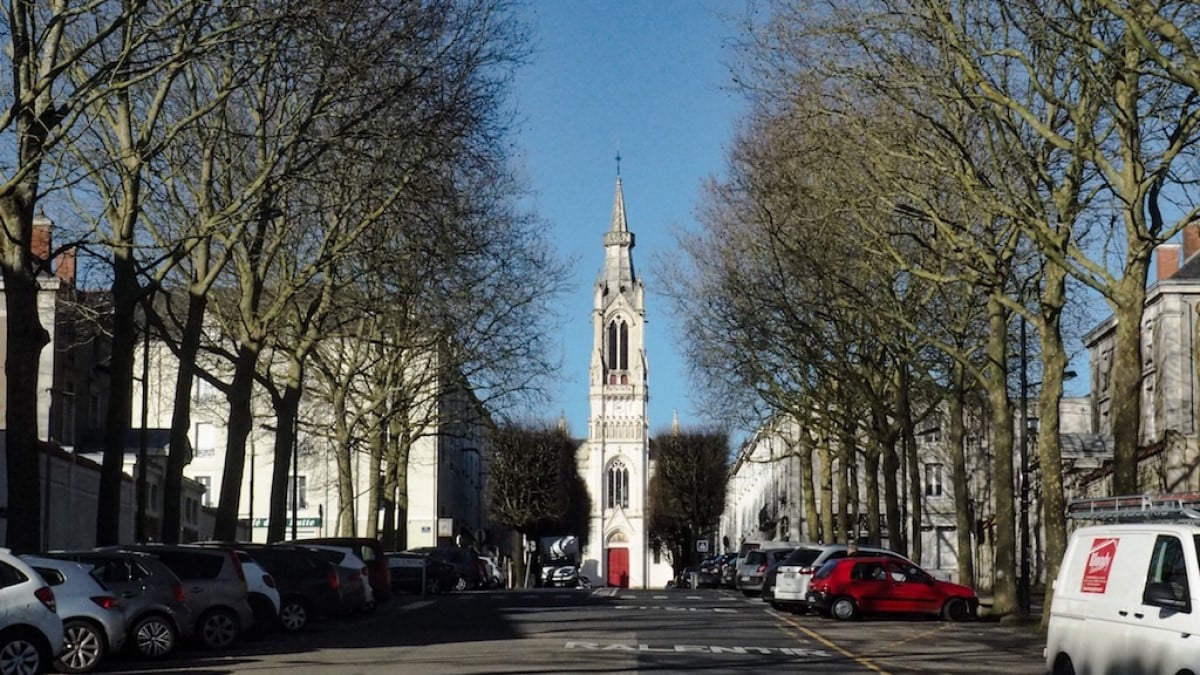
31	632
215	586
93	623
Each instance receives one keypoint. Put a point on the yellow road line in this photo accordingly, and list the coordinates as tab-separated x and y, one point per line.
862	661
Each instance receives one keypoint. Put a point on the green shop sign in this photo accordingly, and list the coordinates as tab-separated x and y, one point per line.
300	522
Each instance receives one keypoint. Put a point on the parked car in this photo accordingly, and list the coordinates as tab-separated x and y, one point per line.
462	558
767	593
93	623
729	571
753	569
215	586
372	553
352	583
261	592
493	576
796	570
308	581
344	556
31	631
407	569
846	588
560	576
152	597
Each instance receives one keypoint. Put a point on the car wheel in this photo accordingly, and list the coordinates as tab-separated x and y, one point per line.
218	629
293	615
435	586
83	647
153	636
843	609
956	609
461	585
21	654
1063	665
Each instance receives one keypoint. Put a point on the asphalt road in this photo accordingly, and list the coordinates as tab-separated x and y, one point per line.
613	631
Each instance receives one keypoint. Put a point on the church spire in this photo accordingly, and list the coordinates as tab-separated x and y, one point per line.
618	263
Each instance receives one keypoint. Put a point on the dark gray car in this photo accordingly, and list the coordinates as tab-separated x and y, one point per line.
152	597
216	589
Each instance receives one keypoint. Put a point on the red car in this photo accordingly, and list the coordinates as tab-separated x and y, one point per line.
848	587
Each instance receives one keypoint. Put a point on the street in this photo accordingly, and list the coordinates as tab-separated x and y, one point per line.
614	630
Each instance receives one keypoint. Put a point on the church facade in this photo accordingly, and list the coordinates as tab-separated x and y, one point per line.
615	460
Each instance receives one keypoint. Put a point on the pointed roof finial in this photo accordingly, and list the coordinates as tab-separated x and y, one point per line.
618	162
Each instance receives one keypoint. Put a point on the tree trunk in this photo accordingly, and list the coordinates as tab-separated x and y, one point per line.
374	469
1004	588
26	337
846	459
907	437
287	412
118	419
518	549
826	456
891	495
958	476
1054	365
1125	384
808	491
241	422
181	417
871	469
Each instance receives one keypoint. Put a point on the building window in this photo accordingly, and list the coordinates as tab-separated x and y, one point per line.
617	351
933	480
206	482
618	485
301	488
206	440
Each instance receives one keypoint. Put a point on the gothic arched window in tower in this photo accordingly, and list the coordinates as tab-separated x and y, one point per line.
617	351
618	485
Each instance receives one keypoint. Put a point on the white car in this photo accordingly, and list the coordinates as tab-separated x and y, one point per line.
261	592
30	607
350	560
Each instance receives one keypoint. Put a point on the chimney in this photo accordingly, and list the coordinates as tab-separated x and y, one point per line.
39	244
1191	241
1168	261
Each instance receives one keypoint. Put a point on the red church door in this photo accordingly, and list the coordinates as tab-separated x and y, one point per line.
618	567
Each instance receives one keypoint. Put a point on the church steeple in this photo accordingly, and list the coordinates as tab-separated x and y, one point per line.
618	241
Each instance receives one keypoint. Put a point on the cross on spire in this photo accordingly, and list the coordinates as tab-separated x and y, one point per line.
618	163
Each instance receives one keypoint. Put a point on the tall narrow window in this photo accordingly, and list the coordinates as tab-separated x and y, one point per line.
618	485
624	346
301	488
933	480
612	346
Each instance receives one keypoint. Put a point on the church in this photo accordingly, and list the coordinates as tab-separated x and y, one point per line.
615	459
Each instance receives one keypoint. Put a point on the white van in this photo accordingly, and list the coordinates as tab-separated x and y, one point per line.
1127	596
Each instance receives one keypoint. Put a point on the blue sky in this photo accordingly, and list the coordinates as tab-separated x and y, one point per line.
647	78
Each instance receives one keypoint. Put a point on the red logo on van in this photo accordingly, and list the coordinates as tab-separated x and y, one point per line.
1099	564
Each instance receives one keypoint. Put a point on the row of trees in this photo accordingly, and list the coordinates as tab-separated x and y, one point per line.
299	194
913	175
